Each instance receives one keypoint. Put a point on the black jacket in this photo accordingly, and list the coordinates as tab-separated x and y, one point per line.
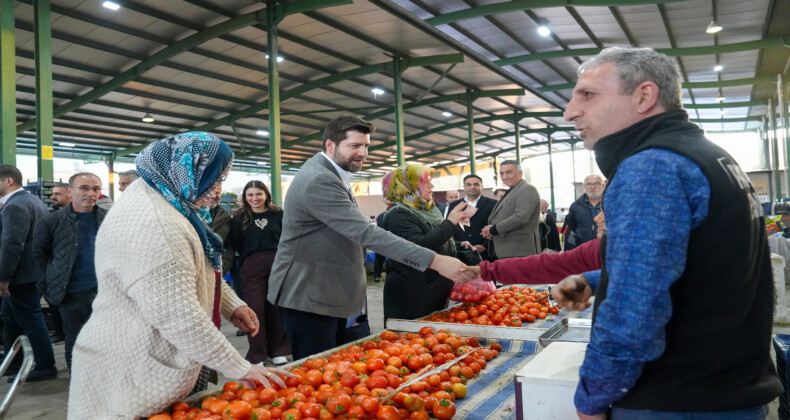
579	221
220	224
471	233
549	234
18	218
55	249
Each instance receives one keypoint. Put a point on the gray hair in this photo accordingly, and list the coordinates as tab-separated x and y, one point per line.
635	66
73	178
511	162
132	174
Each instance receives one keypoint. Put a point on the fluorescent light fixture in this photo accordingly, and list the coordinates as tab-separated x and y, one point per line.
447	114
147	118
544	30
111	5
279	58
718	67
66	144
720	98
262	132
377	91
261	163
713	27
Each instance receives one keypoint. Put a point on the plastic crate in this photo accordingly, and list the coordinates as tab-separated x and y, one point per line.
782	348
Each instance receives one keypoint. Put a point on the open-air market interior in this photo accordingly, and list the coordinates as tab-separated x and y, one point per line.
249	139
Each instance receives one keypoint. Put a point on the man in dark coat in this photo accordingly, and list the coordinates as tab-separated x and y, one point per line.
473	188
21	307
579	226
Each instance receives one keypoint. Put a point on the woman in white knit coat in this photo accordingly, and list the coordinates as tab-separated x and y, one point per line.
155	319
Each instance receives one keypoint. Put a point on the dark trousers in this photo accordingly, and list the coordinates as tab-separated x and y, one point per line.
271	339
312	333
75	310
21	315
57	320
378	265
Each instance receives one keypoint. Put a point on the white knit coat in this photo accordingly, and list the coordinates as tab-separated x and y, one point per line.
151	327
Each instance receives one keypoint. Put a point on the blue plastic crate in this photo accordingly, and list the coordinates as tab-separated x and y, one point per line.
782	348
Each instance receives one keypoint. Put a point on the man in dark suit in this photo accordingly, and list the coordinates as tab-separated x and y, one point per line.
473	188
318	279
21	307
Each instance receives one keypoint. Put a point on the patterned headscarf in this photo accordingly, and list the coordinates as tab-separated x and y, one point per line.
184	168
406	184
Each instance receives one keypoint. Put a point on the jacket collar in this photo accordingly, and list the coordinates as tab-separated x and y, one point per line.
614	148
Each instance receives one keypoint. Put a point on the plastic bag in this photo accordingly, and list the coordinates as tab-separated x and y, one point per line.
473	291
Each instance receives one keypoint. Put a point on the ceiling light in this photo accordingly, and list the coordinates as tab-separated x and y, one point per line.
262	132
713	27
262	163
544	30
718	67
111	5
279	58
66	144
147	118
447	114
720	98
377	91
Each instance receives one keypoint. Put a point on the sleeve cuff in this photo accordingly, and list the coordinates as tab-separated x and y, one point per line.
493	230
593	278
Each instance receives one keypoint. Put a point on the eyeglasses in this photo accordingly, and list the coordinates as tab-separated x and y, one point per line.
593	184
85	188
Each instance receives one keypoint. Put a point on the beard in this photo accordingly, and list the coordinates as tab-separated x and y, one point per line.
348	164
595	196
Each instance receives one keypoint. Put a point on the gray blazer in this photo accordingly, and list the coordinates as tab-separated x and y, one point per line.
320	265
18	217
516	218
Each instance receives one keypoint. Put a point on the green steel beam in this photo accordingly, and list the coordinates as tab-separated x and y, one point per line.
551	165
275	159
516	119
724	105
328	80
687	85
7	84
672	52
520	5
43	41
781	100
470	131
398	108
723	120
156	59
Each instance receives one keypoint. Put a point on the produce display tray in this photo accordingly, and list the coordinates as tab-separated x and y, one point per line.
568	330
527	332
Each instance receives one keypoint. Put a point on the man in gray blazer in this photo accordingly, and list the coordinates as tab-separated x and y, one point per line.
513	224
21	307
318	278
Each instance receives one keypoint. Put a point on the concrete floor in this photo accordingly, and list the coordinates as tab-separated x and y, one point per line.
48	399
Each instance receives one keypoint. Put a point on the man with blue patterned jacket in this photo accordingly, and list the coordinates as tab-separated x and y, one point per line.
684	299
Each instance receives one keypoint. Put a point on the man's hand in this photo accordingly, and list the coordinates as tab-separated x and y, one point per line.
480	248
264	375
4	292
601	416
452	268
486	232
245	319
572	293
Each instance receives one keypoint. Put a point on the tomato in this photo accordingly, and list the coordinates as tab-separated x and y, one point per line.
377	381
339	403
434	380
426	331
325	415
163	416
239	410
388	335
232	386
374	364
443	409
459	390
228	396
180	415
180	406
370	404
349	378
355	412
388	412
261	414
218	406
419	415
267	395
413	402
496	347
292	414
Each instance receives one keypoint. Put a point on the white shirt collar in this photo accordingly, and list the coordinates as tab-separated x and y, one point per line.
7	196
345	176
472	203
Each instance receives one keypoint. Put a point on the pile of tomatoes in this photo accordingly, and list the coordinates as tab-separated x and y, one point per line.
507	307
352	383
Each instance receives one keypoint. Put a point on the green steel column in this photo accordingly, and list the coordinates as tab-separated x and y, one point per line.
518	136
781	100
470	127
399	136
43	37
775	145
275	161
551	166
7	84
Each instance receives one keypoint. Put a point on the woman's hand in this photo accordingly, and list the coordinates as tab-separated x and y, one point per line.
467	245
457	215
264	375
245	319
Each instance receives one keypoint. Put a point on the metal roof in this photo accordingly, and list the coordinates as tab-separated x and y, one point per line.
213	81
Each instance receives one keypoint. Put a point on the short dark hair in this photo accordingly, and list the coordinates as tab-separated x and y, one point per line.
131	173
11	171
337	127
74	177
515	164
473	176
61	185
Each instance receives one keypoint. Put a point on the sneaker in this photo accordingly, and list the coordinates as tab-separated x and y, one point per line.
38	375
279	360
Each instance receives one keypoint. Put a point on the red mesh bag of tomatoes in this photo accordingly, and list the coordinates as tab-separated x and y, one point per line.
473	291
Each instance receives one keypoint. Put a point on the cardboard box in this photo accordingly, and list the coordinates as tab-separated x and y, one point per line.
546	385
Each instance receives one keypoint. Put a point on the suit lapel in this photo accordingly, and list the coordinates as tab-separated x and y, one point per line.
322	161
